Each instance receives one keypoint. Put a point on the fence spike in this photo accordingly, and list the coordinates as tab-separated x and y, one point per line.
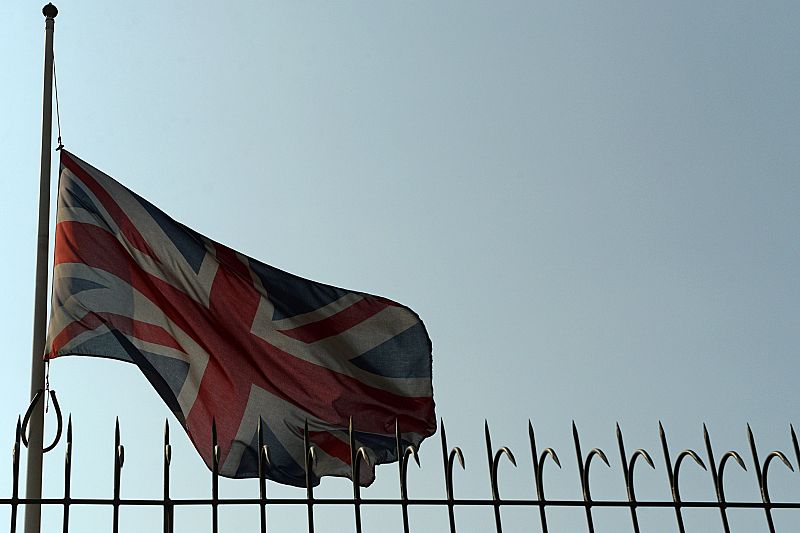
214	477
795	445
15	475
309	460
402	463
628	474
760	478
67	476
263	459
447	460
494	459
169	510
719	491
355	474
584	477
538	467
119	460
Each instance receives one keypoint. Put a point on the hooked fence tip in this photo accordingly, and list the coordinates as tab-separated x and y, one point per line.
267	456
508	453
641	452
693	455
599	453
737	458
456	453
412	451
312	453
552	454
363	453
780	456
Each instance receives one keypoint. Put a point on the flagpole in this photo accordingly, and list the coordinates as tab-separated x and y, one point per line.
33	486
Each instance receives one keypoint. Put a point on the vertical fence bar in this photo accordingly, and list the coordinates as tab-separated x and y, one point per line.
448	478
717	474
757	467
15	477
494	461
355	461
169	509
538	469
489	455
119	459
627	473
262	475
309	465
762	474
583	477
401	474
214	478
670	478
795	445
67	477
673	474
759	478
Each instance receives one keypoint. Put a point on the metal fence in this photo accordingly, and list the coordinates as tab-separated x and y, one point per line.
494	455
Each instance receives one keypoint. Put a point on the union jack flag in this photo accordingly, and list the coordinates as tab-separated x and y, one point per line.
225	338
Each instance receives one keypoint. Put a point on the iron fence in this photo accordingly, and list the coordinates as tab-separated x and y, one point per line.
494	455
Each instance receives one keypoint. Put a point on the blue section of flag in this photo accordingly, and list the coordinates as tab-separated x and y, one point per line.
73	196
73	286
186	241
387	359
292	295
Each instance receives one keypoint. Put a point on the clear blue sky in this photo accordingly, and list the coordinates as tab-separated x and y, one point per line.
593	206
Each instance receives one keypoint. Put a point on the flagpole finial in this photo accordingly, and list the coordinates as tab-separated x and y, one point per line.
50	11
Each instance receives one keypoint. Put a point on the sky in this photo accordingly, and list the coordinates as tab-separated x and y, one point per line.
592	206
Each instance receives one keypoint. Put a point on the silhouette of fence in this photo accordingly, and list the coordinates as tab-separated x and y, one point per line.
494	455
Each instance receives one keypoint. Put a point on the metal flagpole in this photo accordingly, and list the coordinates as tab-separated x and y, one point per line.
33	486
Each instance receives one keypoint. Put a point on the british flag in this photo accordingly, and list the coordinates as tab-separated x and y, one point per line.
225	338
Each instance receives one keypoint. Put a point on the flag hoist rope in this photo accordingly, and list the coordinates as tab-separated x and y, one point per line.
33	486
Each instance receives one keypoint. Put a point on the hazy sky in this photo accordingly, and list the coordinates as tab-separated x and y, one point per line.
594	207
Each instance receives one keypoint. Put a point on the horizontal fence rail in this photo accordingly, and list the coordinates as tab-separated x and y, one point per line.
494	456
